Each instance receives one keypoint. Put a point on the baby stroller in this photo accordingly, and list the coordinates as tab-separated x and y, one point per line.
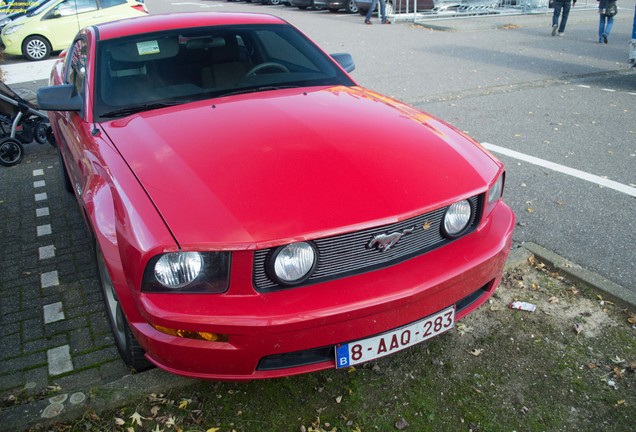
20	123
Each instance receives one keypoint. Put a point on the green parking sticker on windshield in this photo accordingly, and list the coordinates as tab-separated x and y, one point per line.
148	47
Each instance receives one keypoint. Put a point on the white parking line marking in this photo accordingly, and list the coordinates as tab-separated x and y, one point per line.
59	360
563	169
39	184
44	230
49	279
53	312
37	172
608	90
46	252
43	211
40	196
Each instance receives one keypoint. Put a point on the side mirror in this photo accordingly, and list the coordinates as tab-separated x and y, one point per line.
345	61
59	98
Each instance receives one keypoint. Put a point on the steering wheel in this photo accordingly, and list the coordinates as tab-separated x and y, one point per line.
265	65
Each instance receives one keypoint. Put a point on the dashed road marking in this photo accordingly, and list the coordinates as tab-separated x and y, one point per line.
59	360
563	169
46	252
53	312
44	230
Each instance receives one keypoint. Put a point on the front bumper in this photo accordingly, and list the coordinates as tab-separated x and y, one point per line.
293	331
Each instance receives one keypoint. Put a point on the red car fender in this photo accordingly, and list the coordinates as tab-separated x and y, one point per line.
128	236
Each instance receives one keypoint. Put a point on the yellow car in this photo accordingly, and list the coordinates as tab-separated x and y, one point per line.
52	25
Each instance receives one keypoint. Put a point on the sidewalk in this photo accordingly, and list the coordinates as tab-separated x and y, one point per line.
54	331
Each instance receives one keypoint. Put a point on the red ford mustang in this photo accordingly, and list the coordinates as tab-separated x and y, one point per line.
256	213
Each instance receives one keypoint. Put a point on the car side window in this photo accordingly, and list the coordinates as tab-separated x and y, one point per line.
76	72
279	49
72	7
103	4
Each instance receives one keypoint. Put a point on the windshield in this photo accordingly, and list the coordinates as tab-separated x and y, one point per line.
38	7
149	71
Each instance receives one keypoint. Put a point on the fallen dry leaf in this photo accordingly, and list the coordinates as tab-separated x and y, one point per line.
136	418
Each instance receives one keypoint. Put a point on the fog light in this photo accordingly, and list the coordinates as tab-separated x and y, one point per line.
457	218
206	336
294	263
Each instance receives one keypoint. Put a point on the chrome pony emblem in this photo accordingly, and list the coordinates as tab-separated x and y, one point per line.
384	242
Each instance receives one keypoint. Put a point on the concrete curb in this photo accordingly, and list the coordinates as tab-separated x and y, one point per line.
65	407
579	275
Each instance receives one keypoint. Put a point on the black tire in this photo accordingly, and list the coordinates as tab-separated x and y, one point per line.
352	7
68	185
11	151
40	132
50	137
36	48
129	349
274	2
362	12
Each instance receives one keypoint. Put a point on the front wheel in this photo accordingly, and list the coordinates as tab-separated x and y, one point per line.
129	349
352	7
36	48
40	132
11	151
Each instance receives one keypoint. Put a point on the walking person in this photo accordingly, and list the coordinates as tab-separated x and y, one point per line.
606	10
381	12
561	6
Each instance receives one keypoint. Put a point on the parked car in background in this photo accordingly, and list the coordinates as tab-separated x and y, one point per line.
13	12
52	24
303	4
396	6
336	5
337	227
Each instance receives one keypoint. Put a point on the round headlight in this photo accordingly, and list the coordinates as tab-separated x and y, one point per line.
178	269
457	218
293	263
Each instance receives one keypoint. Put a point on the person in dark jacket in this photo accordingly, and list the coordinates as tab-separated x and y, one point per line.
561	6
606	20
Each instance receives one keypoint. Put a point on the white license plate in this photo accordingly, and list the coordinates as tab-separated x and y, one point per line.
352	353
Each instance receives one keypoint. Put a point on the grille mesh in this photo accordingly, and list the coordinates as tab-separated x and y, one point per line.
349	254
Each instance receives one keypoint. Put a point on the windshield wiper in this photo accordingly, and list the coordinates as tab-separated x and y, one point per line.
257	89
139	108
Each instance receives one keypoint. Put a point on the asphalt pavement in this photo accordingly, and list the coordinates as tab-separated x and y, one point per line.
56	340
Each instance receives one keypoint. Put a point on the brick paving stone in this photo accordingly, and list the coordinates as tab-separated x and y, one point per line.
45	343
11	346
26	338
12	381
33	328
23	362
96	357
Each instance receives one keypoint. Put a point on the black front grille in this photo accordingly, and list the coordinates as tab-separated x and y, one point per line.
350	254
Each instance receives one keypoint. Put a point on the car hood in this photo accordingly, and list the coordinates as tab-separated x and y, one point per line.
257	170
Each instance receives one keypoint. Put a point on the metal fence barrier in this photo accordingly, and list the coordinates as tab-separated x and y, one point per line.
404	10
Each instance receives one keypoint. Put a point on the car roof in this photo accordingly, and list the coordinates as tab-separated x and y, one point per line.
173	21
